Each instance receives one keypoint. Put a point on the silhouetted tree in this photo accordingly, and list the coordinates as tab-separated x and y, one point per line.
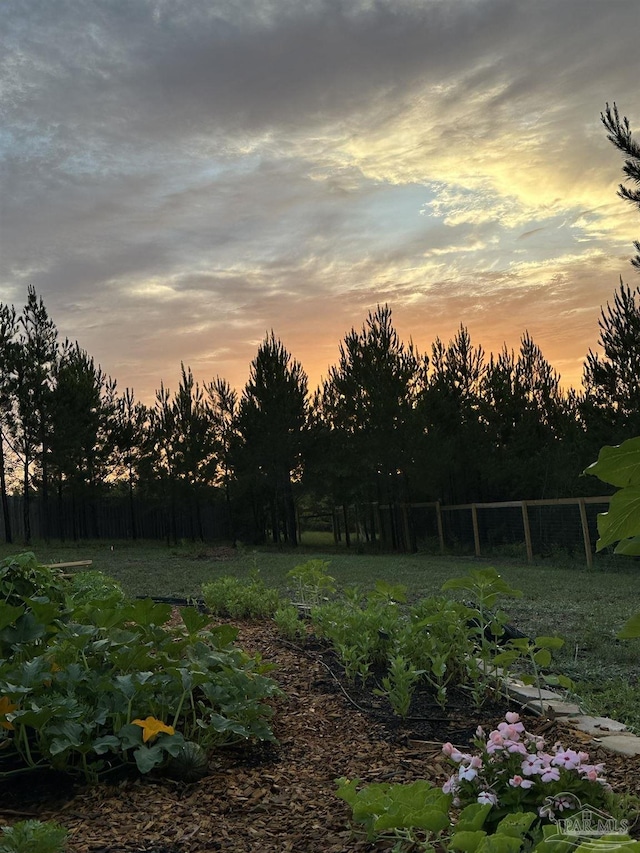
7	348
612	389
223	410
528	421
619	133
271	423
450	414
129	430
82	407
34	358
368	403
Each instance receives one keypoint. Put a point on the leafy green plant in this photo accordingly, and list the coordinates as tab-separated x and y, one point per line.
398	686
33	836
89	685
413	815
485	587
417	816
437	640
22	577
620	466
94	586
536	653
362	634
312	582
287	619
238	599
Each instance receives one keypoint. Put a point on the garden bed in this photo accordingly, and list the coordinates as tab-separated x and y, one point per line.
279	798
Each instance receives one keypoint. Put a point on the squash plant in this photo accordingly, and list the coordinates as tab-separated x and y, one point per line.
90	682
620	466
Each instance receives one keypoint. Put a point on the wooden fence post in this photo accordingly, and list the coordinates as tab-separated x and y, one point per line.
440	528
585	533
476	532
527	532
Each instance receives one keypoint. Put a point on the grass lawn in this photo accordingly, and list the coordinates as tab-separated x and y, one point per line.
585	607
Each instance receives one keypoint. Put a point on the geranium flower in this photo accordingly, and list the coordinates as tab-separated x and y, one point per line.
454	754
519	782
550	774
487	798
151	728
567	758
467	773
532	765
592	771
6	707
515	746
450	786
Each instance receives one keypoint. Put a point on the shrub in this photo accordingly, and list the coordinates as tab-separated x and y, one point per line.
238	599
288	622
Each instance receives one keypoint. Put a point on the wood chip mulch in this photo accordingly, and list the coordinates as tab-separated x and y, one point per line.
275	799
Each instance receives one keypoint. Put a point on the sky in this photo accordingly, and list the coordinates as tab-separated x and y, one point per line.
180	177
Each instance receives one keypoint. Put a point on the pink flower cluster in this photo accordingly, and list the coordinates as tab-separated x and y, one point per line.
513	759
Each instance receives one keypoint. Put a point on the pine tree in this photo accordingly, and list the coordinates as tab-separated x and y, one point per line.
368	405
619	133
272	422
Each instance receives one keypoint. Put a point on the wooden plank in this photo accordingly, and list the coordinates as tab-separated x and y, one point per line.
527	532
73	565
476	531
585	533
512	504
440	529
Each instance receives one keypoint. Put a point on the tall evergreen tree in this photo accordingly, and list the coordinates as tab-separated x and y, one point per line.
82	409
7	352
180	448
272	420
35	356
619	133
130	423
611	404
528	422
223	410
450	414
368	403
194	450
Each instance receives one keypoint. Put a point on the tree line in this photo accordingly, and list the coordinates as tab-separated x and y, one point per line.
388	425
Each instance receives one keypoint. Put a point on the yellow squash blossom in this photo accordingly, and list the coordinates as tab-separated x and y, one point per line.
151	728
6	707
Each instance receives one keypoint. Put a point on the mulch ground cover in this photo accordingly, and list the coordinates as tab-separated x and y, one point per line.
279	798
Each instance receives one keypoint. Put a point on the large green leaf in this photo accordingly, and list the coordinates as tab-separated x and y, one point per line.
9	614
549	642
193	620
629	547
467	841
631	630
148	757
500	844
622	521
619	465
147	612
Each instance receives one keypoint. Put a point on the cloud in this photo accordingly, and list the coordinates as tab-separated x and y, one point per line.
180	177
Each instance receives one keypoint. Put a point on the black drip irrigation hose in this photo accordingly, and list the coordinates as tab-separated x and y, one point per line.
176	602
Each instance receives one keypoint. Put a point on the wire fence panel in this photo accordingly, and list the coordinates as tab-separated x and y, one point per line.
566	526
